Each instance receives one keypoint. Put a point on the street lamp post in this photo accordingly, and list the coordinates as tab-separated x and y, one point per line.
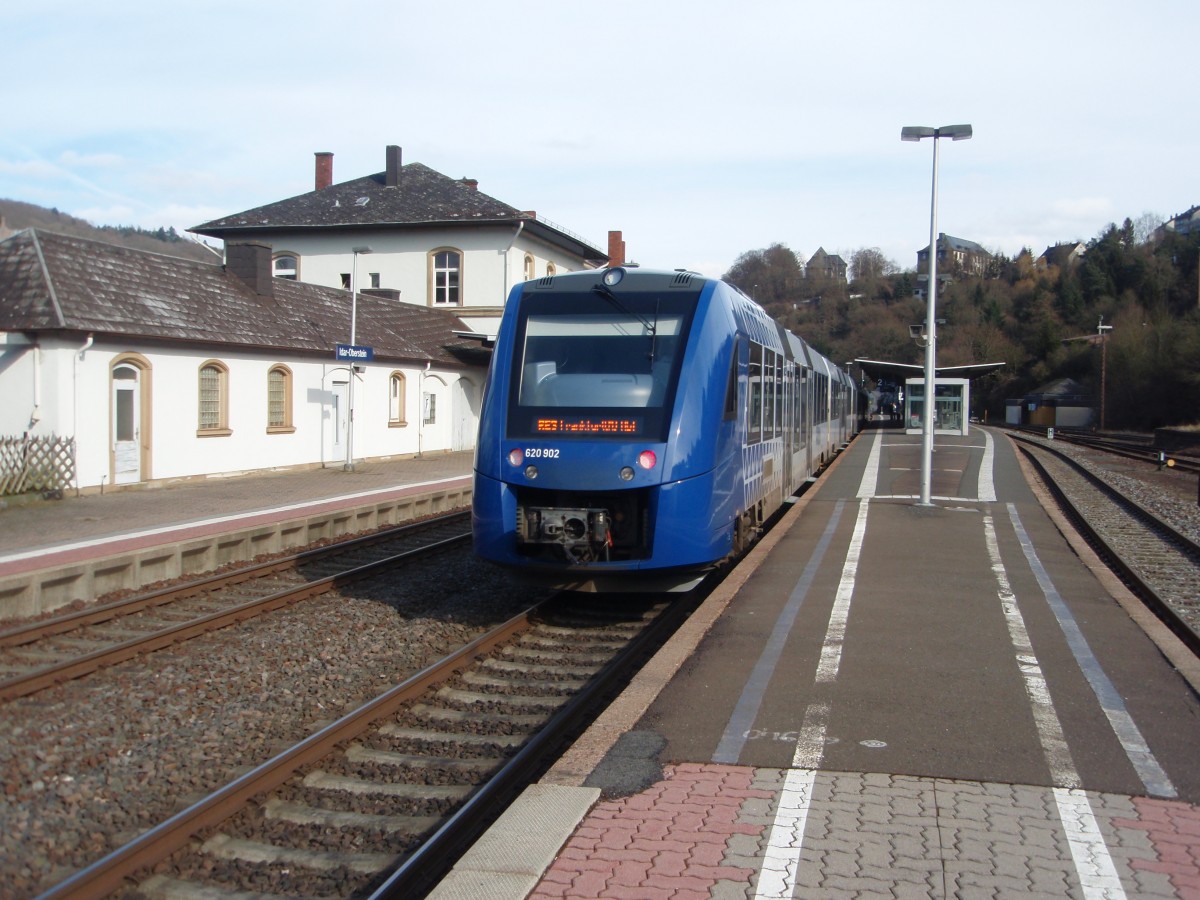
1102	330
917	133
356	251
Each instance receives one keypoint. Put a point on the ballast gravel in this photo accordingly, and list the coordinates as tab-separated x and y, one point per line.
92	763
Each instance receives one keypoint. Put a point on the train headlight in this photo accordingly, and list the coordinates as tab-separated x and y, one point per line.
531	472
647	459
626	473
516	456
613	277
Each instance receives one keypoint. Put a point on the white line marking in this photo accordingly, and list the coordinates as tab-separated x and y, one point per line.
781	861
866	487
1153	777
831	650
987	484
1097	873
1049	728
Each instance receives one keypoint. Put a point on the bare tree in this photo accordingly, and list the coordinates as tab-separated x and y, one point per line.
868	263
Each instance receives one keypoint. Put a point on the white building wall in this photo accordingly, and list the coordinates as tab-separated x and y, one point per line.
76	400
493	260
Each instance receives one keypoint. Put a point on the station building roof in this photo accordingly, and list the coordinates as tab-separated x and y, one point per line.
404	196
53	283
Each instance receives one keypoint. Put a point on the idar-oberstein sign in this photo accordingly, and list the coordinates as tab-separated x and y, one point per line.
354	353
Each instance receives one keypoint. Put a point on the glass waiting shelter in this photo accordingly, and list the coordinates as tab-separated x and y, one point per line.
952	400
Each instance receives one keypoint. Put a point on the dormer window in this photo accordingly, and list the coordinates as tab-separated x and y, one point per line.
285	265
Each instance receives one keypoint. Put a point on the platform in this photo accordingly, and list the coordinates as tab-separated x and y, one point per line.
53	552
892	700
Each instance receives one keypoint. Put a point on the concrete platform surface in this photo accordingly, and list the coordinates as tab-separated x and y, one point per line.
891	700
52	552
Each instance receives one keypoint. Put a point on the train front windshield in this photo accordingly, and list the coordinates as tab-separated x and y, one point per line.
598	366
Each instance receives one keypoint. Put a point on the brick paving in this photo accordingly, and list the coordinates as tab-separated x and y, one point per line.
669	841
1173	829
704	831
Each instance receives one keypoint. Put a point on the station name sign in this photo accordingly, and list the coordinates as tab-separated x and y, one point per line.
354	353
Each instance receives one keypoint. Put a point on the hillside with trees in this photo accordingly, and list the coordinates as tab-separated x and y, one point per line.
17	216
1036	320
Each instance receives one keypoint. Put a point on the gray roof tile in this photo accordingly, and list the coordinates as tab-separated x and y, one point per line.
421	197
52	282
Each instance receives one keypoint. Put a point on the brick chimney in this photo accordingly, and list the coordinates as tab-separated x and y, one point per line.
250	261
324	169
472	183
616	249
393	166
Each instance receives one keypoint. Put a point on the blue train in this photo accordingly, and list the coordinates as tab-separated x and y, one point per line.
639	427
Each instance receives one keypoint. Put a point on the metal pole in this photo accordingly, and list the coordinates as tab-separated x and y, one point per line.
349	467
930	346
1103	371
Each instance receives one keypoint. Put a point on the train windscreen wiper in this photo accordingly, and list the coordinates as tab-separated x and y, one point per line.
652	327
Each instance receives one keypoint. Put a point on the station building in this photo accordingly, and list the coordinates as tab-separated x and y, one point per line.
127	367
423	238
150	368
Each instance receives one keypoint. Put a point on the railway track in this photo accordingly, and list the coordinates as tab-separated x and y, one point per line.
47	652
1127	448
381	802
1155	559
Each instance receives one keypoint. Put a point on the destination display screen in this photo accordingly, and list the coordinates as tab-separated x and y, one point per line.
587	425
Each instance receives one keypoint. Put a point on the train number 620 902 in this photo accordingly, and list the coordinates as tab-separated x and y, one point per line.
541	453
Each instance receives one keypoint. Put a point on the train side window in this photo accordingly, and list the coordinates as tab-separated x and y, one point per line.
754	396
731	387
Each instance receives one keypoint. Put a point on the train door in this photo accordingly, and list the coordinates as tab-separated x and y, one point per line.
787	409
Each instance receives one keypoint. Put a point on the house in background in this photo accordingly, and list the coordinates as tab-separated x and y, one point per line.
163	368
826	265
955	258
1184	223
1062	256
1062	403
433	241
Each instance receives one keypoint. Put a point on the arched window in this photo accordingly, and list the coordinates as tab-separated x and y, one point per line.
551	269
286	265
213	420
445	282
279	400
529	273
396	412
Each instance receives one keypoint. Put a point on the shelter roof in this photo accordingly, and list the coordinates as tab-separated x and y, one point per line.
895	371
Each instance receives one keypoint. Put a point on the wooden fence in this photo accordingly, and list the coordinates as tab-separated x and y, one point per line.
29	464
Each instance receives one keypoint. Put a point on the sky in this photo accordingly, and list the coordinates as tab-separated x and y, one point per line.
701	130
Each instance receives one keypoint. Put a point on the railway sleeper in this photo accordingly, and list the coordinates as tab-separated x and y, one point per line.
581	658
224	846
576	673
302	814
476	698
524	679
475	718
471	766
427	736
327	781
